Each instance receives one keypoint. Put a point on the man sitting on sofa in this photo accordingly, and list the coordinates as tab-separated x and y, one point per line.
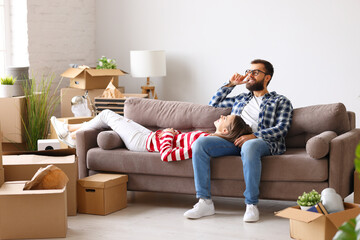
269	115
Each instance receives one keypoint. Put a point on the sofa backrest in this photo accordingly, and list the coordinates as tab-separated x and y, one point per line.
312	120
183	116
307	121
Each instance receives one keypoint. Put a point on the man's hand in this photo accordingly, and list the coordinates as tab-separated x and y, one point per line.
237	79
241	140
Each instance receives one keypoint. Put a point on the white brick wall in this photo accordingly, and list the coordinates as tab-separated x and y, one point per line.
60	33
18	34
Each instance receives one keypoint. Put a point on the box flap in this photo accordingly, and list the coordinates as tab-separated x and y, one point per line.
103	180
105	72
16	188
27	159
338	218
72	72
57	152
296	213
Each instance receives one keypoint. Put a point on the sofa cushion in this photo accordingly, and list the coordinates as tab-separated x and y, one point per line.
295	165
318	146
312	120
156	114
109	140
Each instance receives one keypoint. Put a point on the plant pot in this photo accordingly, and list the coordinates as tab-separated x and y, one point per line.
6	91
305	208
19	87
18	72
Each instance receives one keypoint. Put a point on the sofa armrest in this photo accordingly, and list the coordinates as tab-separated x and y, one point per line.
318	146
341	161
85	140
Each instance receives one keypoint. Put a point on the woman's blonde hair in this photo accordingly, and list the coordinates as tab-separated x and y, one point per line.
236	129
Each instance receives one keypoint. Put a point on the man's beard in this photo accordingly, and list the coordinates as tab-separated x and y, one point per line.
257	86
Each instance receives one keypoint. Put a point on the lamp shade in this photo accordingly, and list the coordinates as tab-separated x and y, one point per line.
148	63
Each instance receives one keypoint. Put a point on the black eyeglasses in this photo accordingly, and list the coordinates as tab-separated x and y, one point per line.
254	72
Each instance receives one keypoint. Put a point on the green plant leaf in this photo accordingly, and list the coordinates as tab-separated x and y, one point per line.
40	105
346	231
357	158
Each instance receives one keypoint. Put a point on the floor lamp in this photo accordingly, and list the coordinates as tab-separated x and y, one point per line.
146	64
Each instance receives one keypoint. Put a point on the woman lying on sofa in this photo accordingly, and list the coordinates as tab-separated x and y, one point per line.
172	144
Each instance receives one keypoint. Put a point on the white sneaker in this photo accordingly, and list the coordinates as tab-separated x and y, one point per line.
251	214
201	209
60	128
68	140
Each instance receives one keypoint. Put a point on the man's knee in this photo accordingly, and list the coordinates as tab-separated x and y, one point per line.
251	149
200	144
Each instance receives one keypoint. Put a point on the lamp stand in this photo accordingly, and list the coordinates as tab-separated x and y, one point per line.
149	89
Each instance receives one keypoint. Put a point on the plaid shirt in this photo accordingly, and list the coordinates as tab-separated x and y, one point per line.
274	118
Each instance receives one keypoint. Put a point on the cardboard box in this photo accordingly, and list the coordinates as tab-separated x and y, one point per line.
310	225
20	166
1	164
12	111
69	120
2	176
66	94
102	193
32	213
92	78
11	147
356	187
115	104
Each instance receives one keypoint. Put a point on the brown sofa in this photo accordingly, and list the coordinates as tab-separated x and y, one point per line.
320	152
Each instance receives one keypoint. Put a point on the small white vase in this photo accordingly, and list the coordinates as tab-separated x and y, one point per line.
6	91
305	208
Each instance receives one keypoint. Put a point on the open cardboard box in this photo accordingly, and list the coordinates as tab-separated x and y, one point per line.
32	213
92	78
310	225
21	166
66	94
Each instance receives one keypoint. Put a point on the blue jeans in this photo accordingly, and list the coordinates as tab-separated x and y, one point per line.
251	152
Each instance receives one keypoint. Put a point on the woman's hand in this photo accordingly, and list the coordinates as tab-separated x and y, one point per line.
170	130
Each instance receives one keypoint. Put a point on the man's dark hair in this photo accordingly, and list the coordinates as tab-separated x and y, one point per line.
268	66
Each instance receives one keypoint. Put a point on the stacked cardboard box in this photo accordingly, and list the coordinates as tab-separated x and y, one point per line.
21	166
32	213
12	112
93	80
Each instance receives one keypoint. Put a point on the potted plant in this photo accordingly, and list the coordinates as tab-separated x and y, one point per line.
40	105
307	200
7	86
106	63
